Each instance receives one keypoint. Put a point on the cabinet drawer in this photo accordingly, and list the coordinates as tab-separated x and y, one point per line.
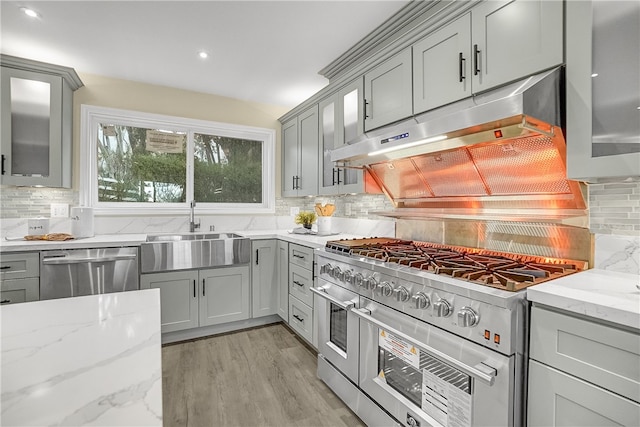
21	265
600	354
301	318
559	399
19	290
301	255
300	280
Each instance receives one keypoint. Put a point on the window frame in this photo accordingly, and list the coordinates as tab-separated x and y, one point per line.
92	116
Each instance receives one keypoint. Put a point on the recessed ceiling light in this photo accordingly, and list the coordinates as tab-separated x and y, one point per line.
202	54
30	12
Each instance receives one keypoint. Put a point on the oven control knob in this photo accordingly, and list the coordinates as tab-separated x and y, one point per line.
371	283
422	301
402	294
385	289
358	279
347	276
336	272
442	308
467	317
326	268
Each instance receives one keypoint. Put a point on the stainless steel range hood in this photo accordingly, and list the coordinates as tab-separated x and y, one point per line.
498	155
531	105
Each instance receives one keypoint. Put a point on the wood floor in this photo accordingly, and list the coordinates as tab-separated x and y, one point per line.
258	377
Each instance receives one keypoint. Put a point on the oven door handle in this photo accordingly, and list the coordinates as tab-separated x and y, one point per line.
482	372
345	305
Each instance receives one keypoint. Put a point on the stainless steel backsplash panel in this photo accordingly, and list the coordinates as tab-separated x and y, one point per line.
548	240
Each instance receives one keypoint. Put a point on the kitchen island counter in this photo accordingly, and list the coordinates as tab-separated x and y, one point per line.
92	360
602	294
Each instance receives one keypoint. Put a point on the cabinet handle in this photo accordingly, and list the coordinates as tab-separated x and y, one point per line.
461	62
298	318
295	282
298	256
203	287
194	288
293	182
3	159
476	60
257	256
366	116
5	301
5	267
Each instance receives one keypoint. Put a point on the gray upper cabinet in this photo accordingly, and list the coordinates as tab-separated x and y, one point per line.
36	118
603	89
442	66
341	121
514	38
300	154
388	91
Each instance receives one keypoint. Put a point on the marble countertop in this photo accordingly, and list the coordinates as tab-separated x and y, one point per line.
92	360
111	240
602	294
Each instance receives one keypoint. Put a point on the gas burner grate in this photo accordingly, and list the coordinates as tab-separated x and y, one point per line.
510	272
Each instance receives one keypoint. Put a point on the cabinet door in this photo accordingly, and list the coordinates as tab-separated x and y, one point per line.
264	278
388	91
224	295
283	280
558	399
442	66
308	168
290	158
31	128
603	89
13	291
20	265
179	295
301	318
329	139
515	38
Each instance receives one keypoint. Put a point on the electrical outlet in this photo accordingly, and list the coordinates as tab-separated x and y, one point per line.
294	211
347	209
59	210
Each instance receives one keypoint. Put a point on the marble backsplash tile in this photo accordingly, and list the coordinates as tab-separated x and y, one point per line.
618	253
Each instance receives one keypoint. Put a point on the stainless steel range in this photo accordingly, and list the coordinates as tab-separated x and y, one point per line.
421	334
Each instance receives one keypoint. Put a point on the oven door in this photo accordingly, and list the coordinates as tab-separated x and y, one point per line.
338	327
420	372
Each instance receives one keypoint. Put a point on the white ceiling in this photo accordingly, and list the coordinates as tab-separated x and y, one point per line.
263	51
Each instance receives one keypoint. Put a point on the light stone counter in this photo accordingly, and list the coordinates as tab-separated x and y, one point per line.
93	360
601	294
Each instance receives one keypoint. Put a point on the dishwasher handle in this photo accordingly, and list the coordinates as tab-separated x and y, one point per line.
56	260
484	373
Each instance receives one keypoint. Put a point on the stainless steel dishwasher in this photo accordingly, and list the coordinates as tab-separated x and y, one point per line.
76	272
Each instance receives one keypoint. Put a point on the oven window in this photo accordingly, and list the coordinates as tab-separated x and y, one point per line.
432	385
338	327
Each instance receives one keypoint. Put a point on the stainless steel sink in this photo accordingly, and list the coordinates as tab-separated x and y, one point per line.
169	252
190	236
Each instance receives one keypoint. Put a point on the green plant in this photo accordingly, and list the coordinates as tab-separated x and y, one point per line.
305	218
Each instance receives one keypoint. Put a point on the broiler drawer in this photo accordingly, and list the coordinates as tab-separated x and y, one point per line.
301	255
596	352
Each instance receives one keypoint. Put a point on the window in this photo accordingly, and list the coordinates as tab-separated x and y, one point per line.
133	162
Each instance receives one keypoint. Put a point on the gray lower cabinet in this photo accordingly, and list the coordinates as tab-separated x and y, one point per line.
283	279
300	297
193	298
264	278
582	372
19	277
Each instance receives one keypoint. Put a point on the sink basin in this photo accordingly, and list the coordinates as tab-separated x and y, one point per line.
191	236
170	252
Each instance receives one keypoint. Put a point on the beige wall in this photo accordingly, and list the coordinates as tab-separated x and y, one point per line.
128	95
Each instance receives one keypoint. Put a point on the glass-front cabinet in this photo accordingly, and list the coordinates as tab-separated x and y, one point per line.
36	117
603	89
341	122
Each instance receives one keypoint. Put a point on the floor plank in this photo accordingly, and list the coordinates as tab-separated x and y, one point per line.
258	377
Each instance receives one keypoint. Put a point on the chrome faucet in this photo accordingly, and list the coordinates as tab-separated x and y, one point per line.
192	218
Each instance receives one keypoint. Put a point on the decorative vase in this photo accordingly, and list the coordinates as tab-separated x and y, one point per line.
307	226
